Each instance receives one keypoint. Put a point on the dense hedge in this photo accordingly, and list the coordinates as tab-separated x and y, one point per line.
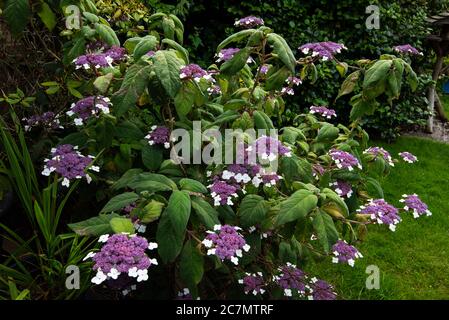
401	21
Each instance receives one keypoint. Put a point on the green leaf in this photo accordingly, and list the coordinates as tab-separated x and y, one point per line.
131	43
178	211
276	78
192	185
286	253
282	49
126	178
334	197
47	16
120	201
327	133
147	43
120	224
253	210
107	34
325	230
169	241
361	107
182	52
297	206
236	63
151	211
102	83
95	226
152	157
236	37
168	25
134	84
167	66
374	188
141	184
207	214
411	77
184	100
191	268
17	14
375	77
349	84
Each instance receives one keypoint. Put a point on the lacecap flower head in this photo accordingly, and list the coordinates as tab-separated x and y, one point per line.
408	157
69	163
226	243
249	22
90	107
381	212
323	50
380	152
253	283
122	254
159	135
344	160
345	253
414	204
323	111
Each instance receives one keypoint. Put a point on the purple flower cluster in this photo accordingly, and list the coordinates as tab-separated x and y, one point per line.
323	111
151	53
378	151
96	60
345	253
222	192
321	290
264	69
185	294
413	203
214	90
408	157
249	22
292	280
226	243
159	135
268	148
293	81
318	170
288	90
226	54
381	212
323	50
47	119
195	72
69	163
116	53
122	253
342	188
407	49
89	107
344	160
254	283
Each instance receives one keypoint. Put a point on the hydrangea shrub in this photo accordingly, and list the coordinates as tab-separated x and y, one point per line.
242	228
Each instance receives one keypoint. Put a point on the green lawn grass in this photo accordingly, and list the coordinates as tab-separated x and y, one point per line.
414	260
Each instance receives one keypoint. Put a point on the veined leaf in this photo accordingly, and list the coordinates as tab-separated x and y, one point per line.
282	49
167	66
297	206
120	201
253	210
95	226
17	14
134	84
236	37
178	211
